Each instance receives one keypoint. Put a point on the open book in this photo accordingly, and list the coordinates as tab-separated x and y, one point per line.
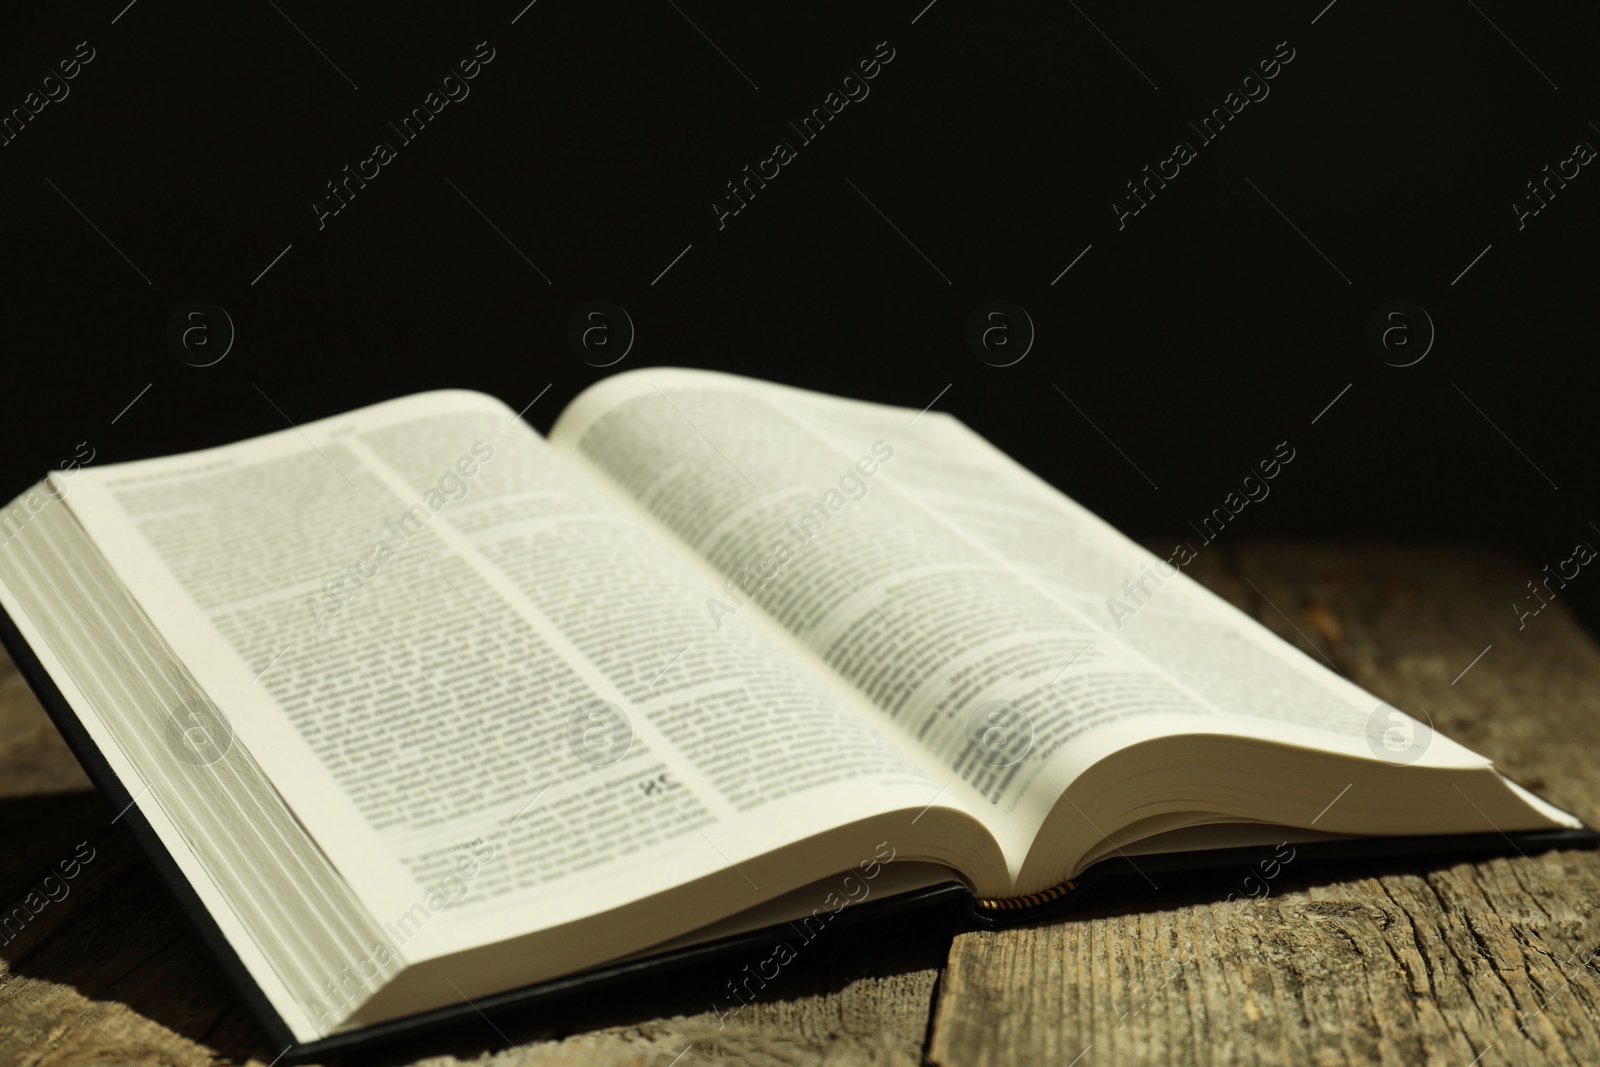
415	706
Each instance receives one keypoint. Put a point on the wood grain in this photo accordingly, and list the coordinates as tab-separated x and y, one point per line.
1395	962
1398	962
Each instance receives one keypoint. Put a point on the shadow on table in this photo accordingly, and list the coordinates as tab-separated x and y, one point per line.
79	908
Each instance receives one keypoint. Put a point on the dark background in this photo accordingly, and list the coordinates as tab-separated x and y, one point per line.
1214	325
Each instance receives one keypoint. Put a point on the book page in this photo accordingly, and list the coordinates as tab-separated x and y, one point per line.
1269	687
478	682
927	571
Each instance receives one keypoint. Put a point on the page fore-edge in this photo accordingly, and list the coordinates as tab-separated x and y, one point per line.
954	896
105	779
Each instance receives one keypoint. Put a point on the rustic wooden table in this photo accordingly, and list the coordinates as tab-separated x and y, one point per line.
1400	962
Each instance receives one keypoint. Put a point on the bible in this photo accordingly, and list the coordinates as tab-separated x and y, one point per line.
419	713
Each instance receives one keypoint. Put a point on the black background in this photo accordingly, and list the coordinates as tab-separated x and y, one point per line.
1219	321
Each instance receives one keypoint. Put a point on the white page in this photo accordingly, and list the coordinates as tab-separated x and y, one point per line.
423	709
1276	690
891	583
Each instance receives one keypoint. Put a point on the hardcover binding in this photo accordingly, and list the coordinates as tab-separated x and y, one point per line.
954	897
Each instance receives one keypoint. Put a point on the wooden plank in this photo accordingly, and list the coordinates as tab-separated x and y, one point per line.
1397	962
856	997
